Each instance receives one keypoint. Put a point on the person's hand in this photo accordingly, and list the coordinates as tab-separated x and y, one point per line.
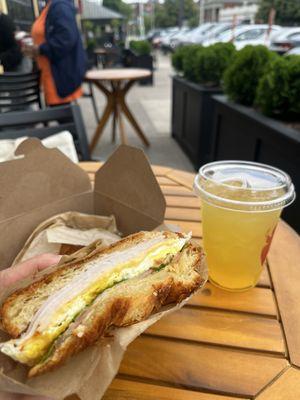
14	274
11	396
27	268
31	51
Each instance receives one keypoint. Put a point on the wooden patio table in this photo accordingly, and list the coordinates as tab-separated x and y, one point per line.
221	345
115	84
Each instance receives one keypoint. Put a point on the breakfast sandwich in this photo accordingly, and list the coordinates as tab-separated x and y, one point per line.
82	301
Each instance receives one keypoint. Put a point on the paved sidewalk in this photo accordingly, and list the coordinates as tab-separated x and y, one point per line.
152	107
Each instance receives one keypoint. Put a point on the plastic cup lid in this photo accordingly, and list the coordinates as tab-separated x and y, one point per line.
244	186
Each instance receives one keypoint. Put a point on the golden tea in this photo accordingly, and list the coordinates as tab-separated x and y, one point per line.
241	206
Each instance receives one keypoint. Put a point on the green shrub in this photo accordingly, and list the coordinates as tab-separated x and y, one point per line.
242	77
211	63
203	65
294	86
140	47
279	88
272	91
178	56
90	44
189	61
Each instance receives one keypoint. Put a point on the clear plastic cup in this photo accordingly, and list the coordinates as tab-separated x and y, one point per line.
241	205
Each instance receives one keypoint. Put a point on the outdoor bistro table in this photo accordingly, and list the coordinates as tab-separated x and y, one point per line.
244	345
120	81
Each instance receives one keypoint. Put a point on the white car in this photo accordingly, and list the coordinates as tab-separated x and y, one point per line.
294	52
213	34
225	35
228	35
243	35
196	35
178	37
165	39
164	34
256	35
287	39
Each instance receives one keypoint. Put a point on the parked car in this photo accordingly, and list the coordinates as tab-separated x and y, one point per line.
152	34
294	52
166	39
256	35
178	37
157	41
212	34
286	40
217	36
196	35
243	35
230	34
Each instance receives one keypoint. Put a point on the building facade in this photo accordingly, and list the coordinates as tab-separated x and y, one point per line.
23	12
245	14
212	8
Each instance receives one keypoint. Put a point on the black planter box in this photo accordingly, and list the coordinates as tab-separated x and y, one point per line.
131	60
192	119
241	133
145	61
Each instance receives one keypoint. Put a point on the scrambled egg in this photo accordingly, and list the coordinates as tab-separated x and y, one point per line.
32	349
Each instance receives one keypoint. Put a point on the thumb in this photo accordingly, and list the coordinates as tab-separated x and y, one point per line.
29	267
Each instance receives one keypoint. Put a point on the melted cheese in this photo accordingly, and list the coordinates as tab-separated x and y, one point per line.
30	348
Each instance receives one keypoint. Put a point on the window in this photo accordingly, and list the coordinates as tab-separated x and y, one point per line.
21	11
223	31
251	34
294	36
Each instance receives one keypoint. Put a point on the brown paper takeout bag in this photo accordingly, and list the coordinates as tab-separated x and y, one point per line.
49	184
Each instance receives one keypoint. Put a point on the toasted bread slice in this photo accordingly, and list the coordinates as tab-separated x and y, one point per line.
20	307
127	303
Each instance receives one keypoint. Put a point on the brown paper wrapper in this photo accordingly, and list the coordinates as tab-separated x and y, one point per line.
89	373
70	228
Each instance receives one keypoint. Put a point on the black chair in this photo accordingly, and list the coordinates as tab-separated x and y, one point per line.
19	91
90	94
46	122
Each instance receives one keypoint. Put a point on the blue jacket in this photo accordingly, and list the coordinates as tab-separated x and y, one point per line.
63	47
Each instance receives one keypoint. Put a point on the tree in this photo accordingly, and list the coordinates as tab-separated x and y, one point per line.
167	13
287	11
148	22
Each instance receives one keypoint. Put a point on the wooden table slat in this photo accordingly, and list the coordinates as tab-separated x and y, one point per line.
286	387
90	166
184	178
264	280
284	264
122	389
256	301
177	191
93	166
183	214
199	366
222	328
163	180
160	170
184	202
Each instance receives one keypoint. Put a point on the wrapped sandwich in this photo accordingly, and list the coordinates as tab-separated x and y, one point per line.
82	301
